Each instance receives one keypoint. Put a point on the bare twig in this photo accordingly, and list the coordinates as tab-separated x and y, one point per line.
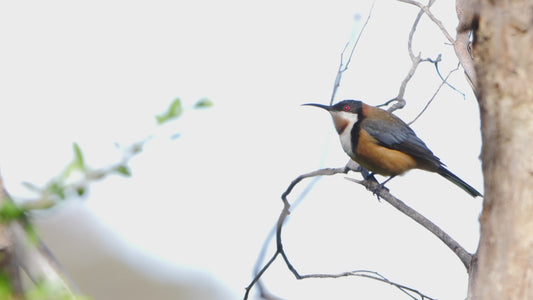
372	275
444	81
415	60
412	34
399	98
279	244
461	43
284	214
425	9
354	40
384	194
262	254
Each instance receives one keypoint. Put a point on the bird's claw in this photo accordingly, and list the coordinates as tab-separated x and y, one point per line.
379	186
378	189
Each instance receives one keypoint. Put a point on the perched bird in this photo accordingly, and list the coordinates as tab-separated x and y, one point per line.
382	143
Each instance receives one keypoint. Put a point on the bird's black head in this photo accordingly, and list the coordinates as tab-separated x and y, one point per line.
345	113
350	106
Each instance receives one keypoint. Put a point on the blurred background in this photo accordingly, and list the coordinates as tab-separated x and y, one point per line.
205	191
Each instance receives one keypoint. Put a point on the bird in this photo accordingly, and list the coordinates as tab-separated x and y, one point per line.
382	143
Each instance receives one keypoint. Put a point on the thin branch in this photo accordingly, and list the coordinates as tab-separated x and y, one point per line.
401	101
372	275
444	81
425	9
360	273
259	274
262	254
461	43
412	34
384	194
415	60
284	214
353	40
320	172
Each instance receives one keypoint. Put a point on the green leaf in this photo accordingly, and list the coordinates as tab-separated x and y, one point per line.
174	110
10	211
56	188
77	164
78	156
80	191
203	103
124	170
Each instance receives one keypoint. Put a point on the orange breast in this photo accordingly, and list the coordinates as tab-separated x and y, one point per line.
379	159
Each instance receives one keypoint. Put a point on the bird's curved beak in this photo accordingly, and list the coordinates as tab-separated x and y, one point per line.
326	107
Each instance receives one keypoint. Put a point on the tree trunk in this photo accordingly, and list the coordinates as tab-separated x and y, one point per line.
503	56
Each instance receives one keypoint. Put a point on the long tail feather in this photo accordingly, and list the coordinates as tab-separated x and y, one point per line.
458	181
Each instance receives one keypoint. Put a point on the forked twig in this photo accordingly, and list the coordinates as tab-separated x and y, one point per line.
415	62
285	213
444	81
425	9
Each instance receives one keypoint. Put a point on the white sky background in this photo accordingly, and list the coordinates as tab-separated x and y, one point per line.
98	72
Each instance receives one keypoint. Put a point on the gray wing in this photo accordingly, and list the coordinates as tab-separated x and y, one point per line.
395	134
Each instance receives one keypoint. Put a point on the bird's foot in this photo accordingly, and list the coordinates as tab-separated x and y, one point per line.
379	186
378	189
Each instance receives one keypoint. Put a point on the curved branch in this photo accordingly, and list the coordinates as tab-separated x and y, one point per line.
464	256
415	59
283	216
372	275
425	9
461	43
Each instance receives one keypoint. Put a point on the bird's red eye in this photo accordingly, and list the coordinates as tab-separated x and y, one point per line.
346	107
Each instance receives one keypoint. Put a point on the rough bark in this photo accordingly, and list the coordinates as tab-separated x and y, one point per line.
503	57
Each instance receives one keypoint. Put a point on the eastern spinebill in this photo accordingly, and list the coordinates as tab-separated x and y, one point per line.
384	144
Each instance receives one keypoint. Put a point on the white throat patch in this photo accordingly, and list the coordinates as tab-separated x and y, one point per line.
346	135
